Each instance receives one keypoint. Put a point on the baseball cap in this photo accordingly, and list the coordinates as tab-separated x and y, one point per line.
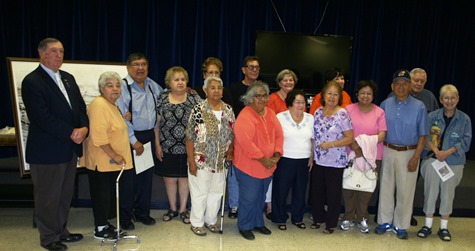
404	74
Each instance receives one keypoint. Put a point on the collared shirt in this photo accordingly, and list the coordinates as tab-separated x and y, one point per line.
458	134
144	105
211	136
60	84
427	97
406	120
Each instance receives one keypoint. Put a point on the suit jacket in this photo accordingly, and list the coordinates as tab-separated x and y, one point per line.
52	120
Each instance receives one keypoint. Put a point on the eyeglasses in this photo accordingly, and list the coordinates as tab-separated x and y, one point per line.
299	102
253	67
219	88
137	65
261	96
212	72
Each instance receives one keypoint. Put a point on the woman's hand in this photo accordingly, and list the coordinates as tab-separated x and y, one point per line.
192	168
325	145
118	159
229	155
159	152
266	162
310	164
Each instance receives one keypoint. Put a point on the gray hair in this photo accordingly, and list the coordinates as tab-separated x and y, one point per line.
282	74
212	78
252	90
417	70
448	88
106	76
44	43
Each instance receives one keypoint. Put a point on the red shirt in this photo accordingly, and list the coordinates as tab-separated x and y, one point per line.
256	137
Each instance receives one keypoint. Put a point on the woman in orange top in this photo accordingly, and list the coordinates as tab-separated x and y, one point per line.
286	79
258	145
105	151
336	75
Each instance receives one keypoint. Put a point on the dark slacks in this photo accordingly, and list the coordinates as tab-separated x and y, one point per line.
136	189
289	174
252	196
102	190
53	192
326	188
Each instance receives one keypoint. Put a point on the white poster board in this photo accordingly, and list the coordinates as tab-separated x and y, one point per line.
86	74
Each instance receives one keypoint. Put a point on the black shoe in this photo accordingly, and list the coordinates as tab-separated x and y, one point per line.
269	216
413	221
233	213
72	238
127	225
55	246
263	230
147	220
247	234
106	233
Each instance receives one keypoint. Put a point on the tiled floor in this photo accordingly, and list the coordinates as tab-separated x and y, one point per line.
16	233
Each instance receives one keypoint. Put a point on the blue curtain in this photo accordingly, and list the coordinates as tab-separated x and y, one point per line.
388	35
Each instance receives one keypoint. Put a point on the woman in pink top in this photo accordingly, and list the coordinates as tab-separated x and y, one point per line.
367	118
258	145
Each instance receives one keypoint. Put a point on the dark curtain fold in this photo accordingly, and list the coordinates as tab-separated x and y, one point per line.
387	35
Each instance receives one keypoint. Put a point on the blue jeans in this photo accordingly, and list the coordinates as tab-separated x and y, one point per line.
233	188
252	195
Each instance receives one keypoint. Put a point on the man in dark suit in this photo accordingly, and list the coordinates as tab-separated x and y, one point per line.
58	126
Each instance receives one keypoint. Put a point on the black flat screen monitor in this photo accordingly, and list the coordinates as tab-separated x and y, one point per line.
309	56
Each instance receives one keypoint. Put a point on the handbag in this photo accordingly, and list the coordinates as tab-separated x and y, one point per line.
354	179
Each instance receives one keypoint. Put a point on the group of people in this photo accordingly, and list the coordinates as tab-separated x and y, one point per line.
264	138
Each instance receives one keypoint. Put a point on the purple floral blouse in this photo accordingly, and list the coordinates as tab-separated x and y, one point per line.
328	129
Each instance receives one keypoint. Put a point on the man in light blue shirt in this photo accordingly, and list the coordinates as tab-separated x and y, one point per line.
139	100
406	119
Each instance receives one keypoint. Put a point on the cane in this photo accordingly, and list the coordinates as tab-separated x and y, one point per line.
227	165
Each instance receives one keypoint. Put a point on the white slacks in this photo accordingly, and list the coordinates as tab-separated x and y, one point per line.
206	191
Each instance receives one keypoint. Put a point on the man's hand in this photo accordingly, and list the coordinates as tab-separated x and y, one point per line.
413	163
79	135
138	147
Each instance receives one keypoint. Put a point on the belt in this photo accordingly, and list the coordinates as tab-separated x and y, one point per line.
400	148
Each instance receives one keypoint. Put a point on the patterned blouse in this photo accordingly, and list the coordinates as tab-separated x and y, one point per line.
173	120
327	129
211	136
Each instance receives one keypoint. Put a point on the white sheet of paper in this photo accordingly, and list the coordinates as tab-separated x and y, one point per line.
145	160
443	170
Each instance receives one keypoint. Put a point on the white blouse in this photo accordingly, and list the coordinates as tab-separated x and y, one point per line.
297	137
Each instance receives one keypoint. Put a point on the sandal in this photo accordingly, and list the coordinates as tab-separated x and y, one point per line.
212	227
282	226
170	215
315	225
300	225
328	231
424	232
444	234
185	217
200	231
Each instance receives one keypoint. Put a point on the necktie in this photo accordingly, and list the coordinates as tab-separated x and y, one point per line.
60	84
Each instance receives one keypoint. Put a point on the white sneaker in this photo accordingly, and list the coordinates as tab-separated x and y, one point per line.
363	226
346	224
